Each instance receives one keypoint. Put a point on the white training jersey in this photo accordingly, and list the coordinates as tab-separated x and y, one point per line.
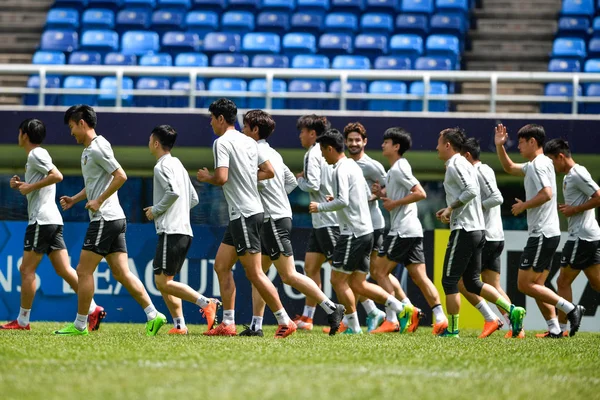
460	183
317	181
491	200
239	153
173	197
98	162
578	187
373	171
351	199
542	220
404	220
41	203
274	192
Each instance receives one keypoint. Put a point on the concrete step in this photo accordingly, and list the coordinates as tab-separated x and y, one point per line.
519	9
500	29
13	80
483	65
525	108
9	99
19	42
509	50
12	22
15	58
21	5
507	88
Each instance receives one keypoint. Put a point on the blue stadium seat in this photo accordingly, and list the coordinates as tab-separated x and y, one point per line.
351	62
453	6
299	43
351	6
341	22
245	5
97	18
60	40
120	59
596	27
180	42
191	60
569	48
313	5
310	61
79	82
270	61
52	82
182	101
202	22
562	65
113	5
433	64
390	7
409	45
591	65
447	24
230	60
282	5
156	60
260	85
217	42
133	20
62	18
139	42
387	87
335	43
85	58
412	24
209	5
594	48
148	5
559	89
234	89
573	27
273	21
237	21
258	42
153	83
183	5
307	86
435	88
417	6
593	89
110	84
583	8
444	46
353	87
103	41
392	62
307	22
371	44
167	20
42	57
377	23
78	5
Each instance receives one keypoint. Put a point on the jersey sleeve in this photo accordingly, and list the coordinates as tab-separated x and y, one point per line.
542	176
405	176
263	155
221	153
41	161
342	197
289	179
104	156
465	181
584	182
311	182
490	194
165	178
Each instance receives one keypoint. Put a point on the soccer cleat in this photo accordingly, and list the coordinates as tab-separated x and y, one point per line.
405	317
574	318
341	329
374	321
566	333
250	332
177	331
222	330
491	327
549	335
440	327
387	327
284	331
350	331
154	325
335	319
95	318
417	315
210	313
70	330
448	334
14	325
517	315
304	323
509	335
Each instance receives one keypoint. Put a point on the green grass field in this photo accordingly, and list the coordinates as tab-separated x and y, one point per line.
119	362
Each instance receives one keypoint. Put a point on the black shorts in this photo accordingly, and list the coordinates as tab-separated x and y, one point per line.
106	237
275	238
171	251
580	254
244	234
323	241
490	255
463	254
404	251
44	239
353	254
538	253
378	235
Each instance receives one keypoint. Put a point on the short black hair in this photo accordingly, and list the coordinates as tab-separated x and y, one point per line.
81	112
399	136
224	107
318	123
456	137
533	131
262	119
555	147
332	137
472	147
166	136
34	129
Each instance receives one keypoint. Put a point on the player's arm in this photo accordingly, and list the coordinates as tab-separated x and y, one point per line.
311	181
543	196
194	199
417	193
289	180
343	194
119	179
54	176
584	182
219	178
490	194
165	179
265	171
593	202
500	138
468	187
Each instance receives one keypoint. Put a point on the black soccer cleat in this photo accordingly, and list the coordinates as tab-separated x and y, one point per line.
249	332
575	317
335	319
550	335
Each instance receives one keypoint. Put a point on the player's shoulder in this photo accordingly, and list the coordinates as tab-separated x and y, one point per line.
580	172
38	153
485	169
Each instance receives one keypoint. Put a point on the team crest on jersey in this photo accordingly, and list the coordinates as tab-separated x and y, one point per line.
85	160
564	186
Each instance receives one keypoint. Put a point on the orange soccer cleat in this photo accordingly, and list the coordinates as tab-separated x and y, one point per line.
210	313
387	327
284	331
175	331
440	327
95	318
491	327
221	330
14	325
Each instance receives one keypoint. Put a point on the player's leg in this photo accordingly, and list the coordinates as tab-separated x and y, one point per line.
492	322
565	279
175	306
345	295
381	272
258	305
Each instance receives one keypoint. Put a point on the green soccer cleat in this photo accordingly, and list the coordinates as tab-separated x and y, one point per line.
375	320
153	326
349	331
448	334
405	317
516	316
70	330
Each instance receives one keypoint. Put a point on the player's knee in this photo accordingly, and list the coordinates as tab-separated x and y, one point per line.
473	285
288	279
378	273
595	284
523	286
563	282
27	271
161	283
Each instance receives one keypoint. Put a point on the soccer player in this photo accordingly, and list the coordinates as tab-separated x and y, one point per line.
238	168
404	242
352	252
465	216
277	226
315	179
105	237
173	196
491	199
542	221
44	234
582	196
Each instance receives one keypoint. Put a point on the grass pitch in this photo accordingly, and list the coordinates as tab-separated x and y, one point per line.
119	362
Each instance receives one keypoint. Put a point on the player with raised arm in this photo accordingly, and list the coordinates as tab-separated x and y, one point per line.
44	234
105	237
542	222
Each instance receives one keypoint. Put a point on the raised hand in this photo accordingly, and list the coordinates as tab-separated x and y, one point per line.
500	136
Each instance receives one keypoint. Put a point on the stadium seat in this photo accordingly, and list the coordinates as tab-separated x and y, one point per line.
260	85
579	8
573	48
62	18
230	60
42	57
596	27
209	5
180	42
85	58
307	22
412	24
444	46
78	5
392	62
97	18
594	48
182	5
409	45
273	21
387	87
299	43
258	42
156	60
371	44
237	21
153	83
79	82
120	59
102	41
593	90
447	24
191	60
133	20
390	7
573	27
310	61
335	43
167	20
352	86
351	62
182	101
591	65
233	89
350	6
270	61
59	40
321	6
453	6
377	23
559	89
433	64
139	42
341	23
435	88
52	82
417	6
148	5
282	5
113	5
561	65
110	84
216	42
244	5
306	86
202	22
